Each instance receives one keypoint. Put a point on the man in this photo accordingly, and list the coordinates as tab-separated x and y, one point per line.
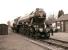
51	29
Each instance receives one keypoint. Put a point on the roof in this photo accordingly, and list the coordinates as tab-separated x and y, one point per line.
63	17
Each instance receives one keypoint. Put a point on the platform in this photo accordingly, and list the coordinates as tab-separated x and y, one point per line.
13	41
60	36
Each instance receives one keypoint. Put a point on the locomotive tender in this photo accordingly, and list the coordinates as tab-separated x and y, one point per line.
34	26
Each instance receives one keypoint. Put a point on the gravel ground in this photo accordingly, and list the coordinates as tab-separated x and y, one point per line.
16	42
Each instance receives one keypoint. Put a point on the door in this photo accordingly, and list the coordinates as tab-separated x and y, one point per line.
66	26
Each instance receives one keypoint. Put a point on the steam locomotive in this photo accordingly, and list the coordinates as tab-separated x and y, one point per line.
34	25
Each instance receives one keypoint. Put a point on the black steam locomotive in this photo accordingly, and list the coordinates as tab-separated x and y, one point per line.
34	26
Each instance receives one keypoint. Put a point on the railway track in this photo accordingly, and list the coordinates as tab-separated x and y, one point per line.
50	44
57	43
59	40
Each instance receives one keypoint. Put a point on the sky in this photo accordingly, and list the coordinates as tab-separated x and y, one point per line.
11	9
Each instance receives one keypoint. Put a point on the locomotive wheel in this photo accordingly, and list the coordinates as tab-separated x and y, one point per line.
37	35
21	30
31	32
24	31
27	32
16	30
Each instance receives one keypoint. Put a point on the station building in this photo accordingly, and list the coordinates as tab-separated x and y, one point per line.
62	23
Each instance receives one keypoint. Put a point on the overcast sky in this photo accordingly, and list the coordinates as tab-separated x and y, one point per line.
10	9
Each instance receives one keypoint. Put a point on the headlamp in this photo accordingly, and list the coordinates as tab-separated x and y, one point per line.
41	29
